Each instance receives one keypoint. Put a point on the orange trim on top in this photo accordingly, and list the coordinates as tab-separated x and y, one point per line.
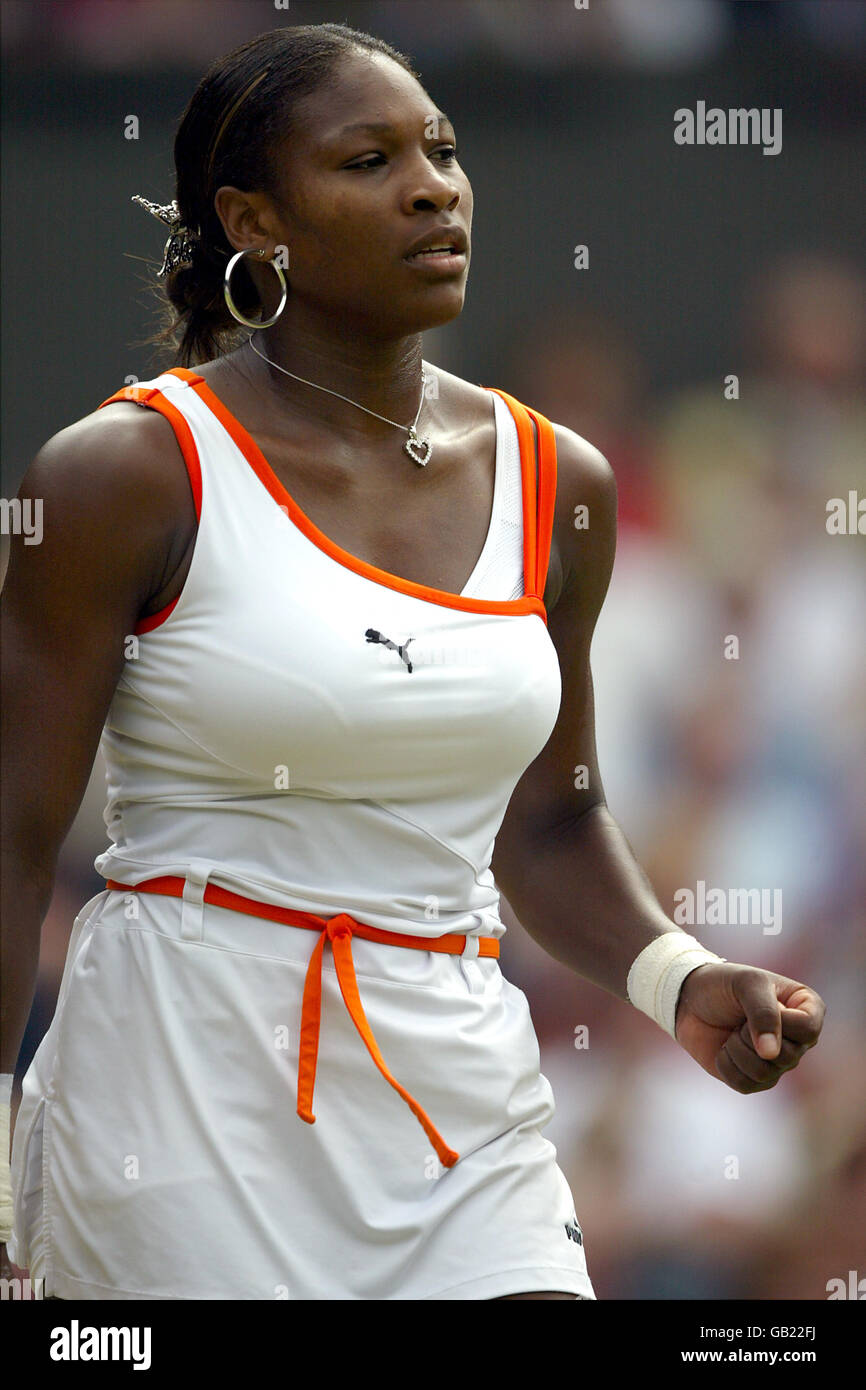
543	509
153	397
546	497
339	930
531	602
155	619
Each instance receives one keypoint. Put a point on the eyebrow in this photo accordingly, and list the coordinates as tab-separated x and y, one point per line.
384	128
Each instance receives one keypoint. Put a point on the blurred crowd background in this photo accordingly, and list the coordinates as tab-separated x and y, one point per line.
704	263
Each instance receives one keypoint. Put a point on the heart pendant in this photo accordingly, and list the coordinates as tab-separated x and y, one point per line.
423	446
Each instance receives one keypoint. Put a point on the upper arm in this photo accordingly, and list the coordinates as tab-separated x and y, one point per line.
108	498
546	794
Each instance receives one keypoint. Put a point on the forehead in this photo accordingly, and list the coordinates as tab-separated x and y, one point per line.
365	88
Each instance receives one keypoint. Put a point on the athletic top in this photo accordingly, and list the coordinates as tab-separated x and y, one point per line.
303	728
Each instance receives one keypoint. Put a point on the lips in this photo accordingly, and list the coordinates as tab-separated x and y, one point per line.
434	251
443	240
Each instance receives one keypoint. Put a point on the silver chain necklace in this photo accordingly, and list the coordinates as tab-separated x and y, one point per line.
417	448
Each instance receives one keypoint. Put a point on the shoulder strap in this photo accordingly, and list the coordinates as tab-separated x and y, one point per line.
546	449
538	471
154	398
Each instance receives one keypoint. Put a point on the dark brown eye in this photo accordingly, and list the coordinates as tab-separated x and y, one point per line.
365	163
446	155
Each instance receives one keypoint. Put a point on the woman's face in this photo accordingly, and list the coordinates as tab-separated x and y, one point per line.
369	170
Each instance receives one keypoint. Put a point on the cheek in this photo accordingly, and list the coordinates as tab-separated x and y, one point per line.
340	242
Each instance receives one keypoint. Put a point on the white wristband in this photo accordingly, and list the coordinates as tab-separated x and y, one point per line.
656	975
5	1174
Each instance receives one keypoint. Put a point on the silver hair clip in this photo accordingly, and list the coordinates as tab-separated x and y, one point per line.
181	243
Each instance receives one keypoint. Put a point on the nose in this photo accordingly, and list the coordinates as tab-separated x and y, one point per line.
434	188
435	199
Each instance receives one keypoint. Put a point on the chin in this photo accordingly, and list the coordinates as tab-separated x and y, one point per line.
434	306
440	308
446	316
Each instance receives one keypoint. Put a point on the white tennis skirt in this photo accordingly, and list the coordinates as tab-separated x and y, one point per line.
158	1154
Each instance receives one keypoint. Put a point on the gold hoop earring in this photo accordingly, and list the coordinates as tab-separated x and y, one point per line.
227	292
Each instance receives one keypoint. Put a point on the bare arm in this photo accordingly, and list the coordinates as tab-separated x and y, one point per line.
114	495
569	872
560	857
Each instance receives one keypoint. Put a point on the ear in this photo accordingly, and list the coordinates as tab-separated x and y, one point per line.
247	218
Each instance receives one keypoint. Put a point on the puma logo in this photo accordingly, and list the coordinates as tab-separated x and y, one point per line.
373	636
573	1231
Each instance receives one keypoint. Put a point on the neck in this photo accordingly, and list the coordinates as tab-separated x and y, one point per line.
381	375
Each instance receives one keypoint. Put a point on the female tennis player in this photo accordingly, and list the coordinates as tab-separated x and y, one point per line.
326	609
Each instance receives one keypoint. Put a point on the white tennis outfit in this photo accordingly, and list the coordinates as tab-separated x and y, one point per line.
262	741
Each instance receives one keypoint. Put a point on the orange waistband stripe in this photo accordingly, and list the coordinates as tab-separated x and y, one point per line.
339	930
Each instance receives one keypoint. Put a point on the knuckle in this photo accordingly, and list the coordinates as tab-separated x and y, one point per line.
752	975
739	1082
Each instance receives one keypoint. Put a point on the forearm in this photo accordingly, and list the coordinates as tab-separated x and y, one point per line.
582	895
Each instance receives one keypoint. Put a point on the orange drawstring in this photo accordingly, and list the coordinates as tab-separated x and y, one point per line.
339	933
339	930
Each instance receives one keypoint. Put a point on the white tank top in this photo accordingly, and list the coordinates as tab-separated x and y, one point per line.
319	733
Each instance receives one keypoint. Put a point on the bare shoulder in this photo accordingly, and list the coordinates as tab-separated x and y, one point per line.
104	493
586	501
121	454
582	466
116	505
584	523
